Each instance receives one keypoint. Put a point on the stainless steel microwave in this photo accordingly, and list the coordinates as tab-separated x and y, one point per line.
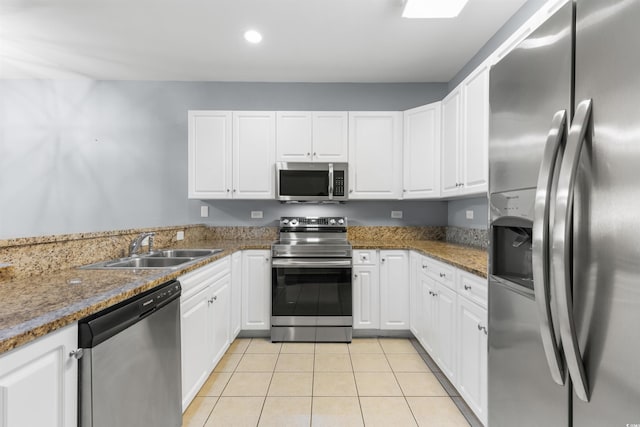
311	181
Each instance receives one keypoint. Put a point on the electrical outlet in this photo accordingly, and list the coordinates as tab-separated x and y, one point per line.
204	211
180	235
469	214
396	214
256	214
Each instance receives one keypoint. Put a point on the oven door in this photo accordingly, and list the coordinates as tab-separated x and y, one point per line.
311	292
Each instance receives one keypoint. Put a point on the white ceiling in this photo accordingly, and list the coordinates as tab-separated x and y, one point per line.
202	40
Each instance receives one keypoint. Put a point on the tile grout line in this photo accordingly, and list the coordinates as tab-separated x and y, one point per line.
400	386
264	402
227	383
353	372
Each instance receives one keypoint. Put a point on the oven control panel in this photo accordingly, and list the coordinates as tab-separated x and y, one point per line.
303	222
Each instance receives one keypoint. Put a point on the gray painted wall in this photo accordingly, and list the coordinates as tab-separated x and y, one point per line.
358	212
516	21
457	213
82	156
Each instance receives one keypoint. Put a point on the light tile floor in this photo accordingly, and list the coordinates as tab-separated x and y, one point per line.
370	382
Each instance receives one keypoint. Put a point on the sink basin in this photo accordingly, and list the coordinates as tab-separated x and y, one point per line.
148	262
184	253
171	259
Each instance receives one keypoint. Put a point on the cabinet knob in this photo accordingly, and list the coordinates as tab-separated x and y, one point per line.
425	266
267	259
355	276
467	287
316	155
234	190
383	259
404	190
210	301
443	275
308	154
77	354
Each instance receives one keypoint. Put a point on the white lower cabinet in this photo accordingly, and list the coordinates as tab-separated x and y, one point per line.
394	289
446	330
205	323
381	289
415	295
39	382
256	290
366	297
472	355
236	294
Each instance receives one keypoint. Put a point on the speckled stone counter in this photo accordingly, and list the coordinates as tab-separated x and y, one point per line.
465	258
33	306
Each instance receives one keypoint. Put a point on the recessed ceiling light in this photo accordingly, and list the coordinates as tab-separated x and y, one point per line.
252	36
433	8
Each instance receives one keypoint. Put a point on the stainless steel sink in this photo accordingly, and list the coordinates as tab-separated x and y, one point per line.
171	259
184	253
148	262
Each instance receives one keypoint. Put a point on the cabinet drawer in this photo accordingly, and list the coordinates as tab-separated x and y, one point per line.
439	272
203	276
473	287
365	257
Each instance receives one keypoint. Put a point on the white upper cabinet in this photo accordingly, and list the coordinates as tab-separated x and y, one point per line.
450	143
422	152
475	131
375	155
254	139
465	136
304	136
231	154
209	154
293	136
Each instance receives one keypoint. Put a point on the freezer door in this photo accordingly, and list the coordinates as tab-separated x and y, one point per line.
521	390
527	88
606	229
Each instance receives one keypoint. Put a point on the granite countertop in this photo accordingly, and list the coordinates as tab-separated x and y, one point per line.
35	306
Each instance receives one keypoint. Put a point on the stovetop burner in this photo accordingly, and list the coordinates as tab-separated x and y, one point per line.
317	237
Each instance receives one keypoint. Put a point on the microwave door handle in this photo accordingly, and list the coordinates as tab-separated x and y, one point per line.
540	247
330	181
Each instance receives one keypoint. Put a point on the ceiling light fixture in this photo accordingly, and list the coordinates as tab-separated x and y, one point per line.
433	8
252	36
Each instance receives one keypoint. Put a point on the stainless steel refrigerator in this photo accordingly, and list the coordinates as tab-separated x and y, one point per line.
564	183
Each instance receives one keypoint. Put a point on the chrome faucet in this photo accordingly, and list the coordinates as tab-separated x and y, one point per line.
134	247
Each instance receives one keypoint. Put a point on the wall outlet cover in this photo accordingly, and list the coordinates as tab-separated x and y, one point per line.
469	214
204	211
256	214
180	235
396	214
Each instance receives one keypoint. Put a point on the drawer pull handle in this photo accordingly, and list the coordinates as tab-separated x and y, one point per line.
467	287
443	275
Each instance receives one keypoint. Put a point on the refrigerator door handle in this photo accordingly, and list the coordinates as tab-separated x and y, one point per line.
540	245
562	254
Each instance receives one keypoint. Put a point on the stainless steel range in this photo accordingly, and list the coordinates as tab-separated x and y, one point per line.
311	281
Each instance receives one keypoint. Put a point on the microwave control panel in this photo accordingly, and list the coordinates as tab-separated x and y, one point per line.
338	183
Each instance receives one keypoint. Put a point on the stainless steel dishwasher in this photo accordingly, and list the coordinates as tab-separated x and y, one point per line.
129	373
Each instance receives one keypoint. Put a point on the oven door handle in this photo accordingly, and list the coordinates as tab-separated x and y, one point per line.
310	263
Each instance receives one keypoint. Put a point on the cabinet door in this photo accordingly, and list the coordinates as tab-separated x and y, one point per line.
366	294
293	136
375	155
220	304
394	290
450	143
415	295
429	314
254	150
475	138
39	382
196	345
209	154
446	330
256	290
422	152
330	136
472	356
236	295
